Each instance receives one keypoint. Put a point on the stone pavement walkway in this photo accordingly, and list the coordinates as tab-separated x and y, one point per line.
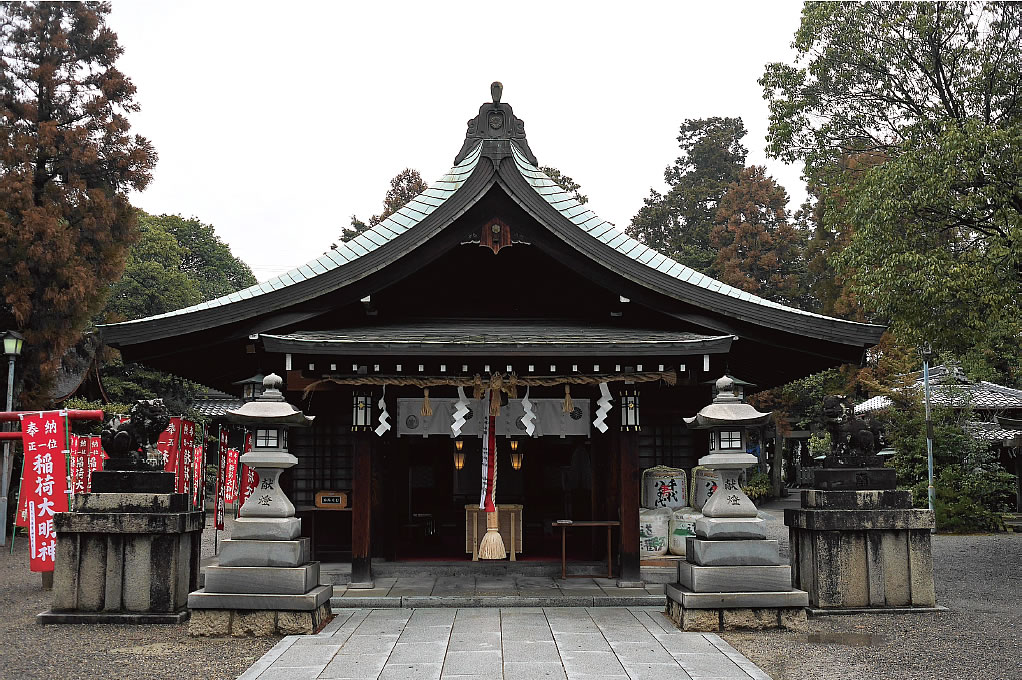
497	591
518	643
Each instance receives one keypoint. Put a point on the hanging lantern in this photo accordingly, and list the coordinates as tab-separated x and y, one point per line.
516	456
361	411
459	455
630	411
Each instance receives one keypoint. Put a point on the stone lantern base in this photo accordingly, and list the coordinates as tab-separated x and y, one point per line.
263	584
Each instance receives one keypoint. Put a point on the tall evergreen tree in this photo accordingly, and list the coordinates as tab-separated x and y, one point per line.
758	250
67	161
678	223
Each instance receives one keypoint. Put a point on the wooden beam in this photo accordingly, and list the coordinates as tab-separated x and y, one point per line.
361	512
628	494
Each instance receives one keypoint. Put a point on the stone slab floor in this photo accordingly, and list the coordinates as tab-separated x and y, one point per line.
517	643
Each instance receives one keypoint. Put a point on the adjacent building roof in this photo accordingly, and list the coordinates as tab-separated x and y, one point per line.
496	338
950	387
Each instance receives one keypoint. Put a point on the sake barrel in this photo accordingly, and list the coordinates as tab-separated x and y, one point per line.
653	528
681	526
704	483
664	487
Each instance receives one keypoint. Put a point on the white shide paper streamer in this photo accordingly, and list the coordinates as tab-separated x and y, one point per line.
384	416
529	416
460	411
604	408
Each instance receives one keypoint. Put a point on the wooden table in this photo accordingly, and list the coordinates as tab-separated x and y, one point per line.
610	524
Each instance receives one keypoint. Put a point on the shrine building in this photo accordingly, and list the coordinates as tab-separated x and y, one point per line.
493	278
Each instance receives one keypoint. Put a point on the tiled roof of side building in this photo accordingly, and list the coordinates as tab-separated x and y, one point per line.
565	203
392	227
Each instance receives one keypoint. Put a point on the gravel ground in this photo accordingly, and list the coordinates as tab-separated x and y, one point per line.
978	578
30	651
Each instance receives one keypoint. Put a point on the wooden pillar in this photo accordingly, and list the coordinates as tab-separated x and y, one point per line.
361	512
628	495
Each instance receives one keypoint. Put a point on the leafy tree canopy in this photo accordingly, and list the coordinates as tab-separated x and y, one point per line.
67	161
933	92
176	262
679	222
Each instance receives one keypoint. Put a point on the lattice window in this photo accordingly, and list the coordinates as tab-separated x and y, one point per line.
324	454
666	444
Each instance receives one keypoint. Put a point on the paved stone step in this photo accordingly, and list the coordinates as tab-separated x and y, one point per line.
483	601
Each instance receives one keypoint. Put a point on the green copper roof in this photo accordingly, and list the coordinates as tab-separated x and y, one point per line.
392	227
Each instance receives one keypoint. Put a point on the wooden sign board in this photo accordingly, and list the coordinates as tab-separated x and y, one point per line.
332	500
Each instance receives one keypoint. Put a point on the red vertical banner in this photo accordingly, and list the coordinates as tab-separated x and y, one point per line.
94	460
168	446
221	481
183	476
231	475
249	478
44	481
198	470
78	461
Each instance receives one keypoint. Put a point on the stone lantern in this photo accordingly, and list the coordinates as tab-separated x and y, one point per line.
732	576
727	418
263	582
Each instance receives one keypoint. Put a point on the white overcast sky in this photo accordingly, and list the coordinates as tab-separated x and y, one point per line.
275	122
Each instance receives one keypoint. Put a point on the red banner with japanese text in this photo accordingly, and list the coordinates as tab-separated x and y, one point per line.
221	481
183	473
44	481
94	459
78	461
249	477
169	445
198	469
231	472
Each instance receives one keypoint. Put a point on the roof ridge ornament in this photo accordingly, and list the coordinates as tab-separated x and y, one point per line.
497	127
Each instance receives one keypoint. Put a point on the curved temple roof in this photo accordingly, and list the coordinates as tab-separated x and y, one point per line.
553	207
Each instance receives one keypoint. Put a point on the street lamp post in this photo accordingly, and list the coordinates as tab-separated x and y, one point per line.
13	342
930	491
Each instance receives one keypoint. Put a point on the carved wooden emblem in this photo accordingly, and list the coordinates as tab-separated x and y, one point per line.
495	235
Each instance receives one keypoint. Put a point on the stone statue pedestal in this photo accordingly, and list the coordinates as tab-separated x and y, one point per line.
125	558
861	549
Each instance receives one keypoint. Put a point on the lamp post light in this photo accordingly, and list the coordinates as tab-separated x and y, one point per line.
13	342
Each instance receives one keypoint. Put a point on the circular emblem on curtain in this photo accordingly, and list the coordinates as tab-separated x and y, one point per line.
519	424
412	422
576	413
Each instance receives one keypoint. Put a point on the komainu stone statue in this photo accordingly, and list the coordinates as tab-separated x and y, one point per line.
854	441
132	444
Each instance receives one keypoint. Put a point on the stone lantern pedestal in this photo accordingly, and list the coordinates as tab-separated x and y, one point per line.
264	582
